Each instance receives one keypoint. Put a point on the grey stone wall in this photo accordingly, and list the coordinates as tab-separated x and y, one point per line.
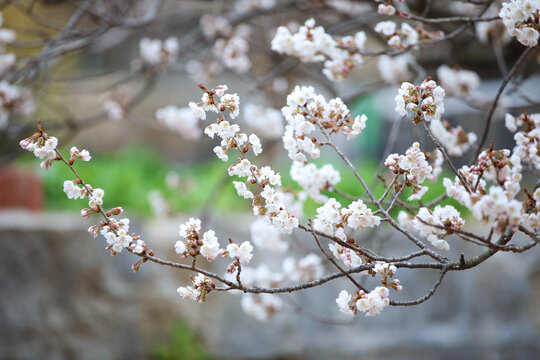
63	297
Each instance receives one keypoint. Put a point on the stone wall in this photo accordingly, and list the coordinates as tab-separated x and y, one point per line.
63	297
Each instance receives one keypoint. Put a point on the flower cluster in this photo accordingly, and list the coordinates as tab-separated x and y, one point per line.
313	180
202	285
350	258
438	160
305	111
308	268
386	9
251	5
43	147
214	26
230	102
312	44
233	52
394	69
117	235
270	201
425	101
455	140
262	306
441	217
521	18
265	120
155	52
415	167
180	120
375	301
267	237
348	7
242	252
528	139
7	60
498	204
115	103
371	303
206	245
458	82
401	38
332	217
14	100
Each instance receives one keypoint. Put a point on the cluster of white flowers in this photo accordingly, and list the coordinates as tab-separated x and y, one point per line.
425	101
75	153
455	140
159	204
332	217
7	60
371	303
415	167
155	52
251	5
95	199
521	18
233	52
265	120
308	268
313	180
350	258
42	147
262	306
385	9
441	216
273	206
207	245
275	209
267	237
117	236
242	252
202	285
486	30
230	102
394	69
304	111
401	38
180	120
73	191
498	205
14	100
312	44
438	160
457	82
115	102
351	8
456	190
215	26
501	167
527	139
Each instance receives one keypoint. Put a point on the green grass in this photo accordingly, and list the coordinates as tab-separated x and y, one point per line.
182	345
130	174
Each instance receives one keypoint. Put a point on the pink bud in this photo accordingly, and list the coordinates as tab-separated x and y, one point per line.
85	213
25	143
117	210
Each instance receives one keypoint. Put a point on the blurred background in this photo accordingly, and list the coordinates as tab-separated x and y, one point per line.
62	296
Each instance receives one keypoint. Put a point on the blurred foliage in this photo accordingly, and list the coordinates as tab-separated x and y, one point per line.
182	345
129	175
